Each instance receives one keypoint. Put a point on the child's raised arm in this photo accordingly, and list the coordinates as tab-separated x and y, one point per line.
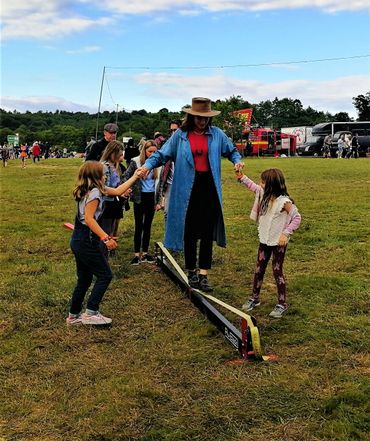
252	186
125	186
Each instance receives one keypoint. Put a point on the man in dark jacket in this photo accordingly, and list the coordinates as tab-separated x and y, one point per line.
96	151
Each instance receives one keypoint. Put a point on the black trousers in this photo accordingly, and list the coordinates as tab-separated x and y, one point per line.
143	214
90	261
201	216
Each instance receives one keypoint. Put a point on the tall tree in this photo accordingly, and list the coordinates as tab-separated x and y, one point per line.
342	116
362	104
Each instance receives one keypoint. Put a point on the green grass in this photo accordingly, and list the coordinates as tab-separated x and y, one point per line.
162	372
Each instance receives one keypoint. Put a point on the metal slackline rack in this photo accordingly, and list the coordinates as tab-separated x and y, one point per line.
246	340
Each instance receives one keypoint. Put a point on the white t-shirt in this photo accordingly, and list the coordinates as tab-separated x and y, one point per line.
272	224
92	195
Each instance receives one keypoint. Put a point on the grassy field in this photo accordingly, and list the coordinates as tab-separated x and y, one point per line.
162	372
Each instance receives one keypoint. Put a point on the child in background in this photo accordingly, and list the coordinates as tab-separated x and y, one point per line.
23	155
277	218
145	197
113	206
85	243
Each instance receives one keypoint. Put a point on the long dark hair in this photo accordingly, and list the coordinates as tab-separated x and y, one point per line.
188	123
274	181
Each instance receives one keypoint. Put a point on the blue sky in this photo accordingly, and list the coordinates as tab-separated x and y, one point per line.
53	53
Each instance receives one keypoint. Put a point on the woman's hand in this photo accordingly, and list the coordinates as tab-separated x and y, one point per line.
238	167
142	172
158	207
138	173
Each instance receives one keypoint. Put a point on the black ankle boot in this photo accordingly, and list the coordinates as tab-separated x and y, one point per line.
204	284
193	279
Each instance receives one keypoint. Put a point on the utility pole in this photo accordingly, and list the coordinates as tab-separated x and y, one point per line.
101	93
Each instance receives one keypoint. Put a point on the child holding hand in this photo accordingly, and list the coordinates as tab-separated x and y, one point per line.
277	219
86	242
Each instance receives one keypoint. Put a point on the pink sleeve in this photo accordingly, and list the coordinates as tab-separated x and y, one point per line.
252	186
293	222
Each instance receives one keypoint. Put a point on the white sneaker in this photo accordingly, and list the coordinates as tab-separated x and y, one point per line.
73	320
95	319
250	304
278	311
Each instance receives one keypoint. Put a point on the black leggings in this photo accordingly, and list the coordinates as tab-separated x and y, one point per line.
200	220
143	213
90	261
263	257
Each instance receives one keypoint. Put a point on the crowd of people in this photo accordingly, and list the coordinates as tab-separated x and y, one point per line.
346	147
35	152
180	174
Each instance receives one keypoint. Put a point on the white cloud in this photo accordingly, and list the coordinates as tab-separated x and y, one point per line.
38	19
174	91
150	6
41	19
84	49
42	103
330	95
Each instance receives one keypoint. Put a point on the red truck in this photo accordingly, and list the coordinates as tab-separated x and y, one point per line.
267	141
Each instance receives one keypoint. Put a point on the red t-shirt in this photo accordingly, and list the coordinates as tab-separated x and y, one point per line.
199	149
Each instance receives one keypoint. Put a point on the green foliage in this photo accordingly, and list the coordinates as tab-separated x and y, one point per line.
342	116
362	104
162	372
74	130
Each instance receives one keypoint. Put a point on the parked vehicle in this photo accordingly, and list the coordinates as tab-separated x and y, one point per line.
268	141
319	131
312	147
303	133
363	136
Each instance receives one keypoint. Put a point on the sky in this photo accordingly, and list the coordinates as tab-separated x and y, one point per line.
160	53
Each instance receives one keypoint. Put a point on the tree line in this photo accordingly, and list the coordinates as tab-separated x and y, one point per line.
72	130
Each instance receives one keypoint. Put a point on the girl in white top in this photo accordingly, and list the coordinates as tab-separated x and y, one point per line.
277	218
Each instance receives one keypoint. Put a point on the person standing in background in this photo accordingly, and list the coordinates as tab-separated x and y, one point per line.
144	198
166	177
326	146
113	205
97	149
36	151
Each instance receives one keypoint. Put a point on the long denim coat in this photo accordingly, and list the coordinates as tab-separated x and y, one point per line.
177	148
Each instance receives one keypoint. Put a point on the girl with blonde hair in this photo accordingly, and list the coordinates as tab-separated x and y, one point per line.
145	197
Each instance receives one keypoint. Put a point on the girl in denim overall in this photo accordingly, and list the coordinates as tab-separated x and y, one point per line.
277	218
86	242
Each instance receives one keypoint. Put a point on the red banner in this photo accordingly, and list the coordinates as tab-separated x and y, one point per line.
245	115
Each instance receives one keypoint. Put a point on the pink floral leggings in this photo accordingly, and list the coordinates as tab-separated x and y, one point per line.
263	257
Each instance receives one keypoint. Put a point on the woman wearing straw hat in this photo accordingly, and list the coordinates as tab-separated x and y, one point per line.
195	207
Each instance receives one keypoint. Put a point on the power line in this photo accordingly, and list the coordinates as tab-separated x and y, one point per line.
106	82
231	66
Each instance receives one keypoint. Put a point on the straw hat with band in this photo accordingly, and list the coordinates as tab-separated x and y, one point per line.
201	107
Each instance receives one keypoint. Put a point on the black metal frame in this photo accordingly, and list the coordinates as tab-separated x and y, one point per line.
240	340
